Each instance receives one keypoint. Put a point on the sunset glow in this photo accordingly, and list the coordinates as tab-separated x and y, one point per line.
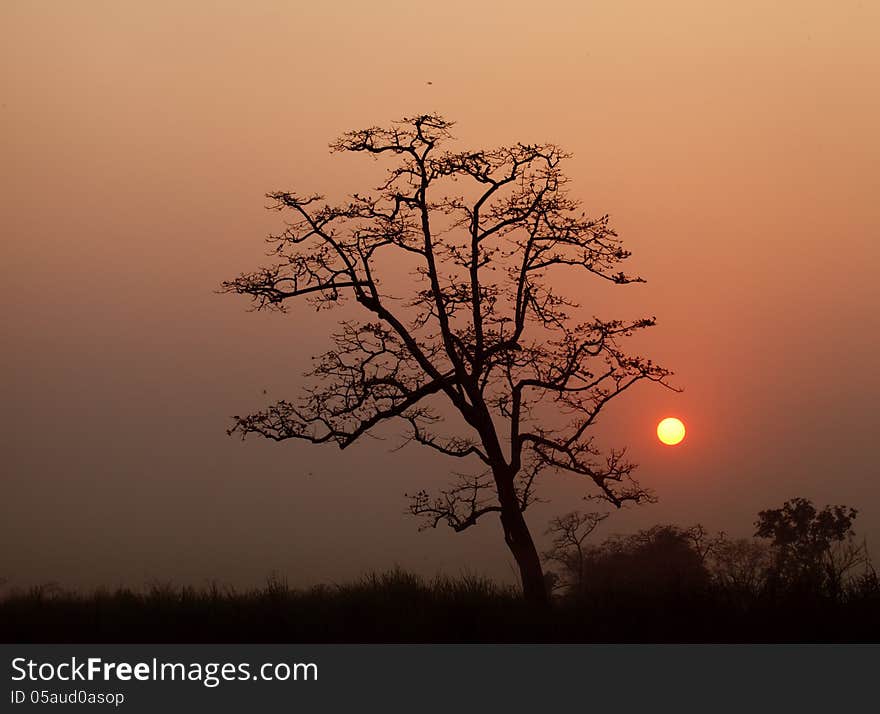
733	146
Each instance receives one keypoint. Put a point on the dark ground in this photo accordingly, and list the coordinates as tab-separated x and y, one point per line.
399	607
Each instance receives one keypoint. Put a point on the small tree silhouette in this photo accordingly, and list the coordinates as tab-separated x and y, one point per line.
741	566
813	549
569	533
481	329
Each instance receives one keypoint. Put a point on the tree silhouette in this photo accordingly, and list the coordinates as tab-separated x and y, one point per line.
661	560
478	331
741	566
813	549
569	533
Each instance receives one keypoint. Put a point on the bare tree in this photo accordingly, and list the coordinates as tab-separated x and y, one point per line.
741	565
701	541
569	532
841	561
478	331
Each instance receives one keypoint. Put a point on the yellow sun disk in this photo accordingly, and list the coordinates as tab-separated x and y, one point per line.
670	431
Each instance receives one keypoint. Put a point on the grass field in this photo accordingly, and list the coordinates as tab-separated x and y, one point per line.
400	607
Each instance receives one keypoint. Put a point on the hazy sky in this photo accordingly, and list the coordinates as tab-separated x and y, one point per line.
734	144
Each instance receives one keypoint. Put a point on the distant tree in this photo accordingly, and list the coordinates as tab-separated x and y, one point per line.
741	565
841	561
479	331
702	543
569	533
661	559
813	549
655	560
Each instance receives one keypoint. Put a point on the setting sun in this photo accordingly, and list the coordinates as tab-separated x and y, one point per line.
671	431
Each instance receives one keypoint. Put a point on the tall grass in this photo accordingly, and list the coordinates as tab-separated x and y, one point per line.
398	606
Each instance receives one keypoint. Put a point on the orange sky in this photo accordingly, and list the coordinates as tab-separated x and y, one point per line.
734	144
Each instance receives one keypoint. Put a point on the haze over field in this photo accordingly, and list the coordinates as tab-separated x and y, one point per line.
735	146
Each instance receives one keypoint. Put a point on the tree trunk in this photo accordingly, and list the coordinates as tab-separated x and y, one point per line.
519	540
